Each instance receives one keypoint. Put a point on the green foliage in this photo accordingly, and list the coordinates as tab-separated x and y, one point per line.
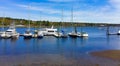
8	20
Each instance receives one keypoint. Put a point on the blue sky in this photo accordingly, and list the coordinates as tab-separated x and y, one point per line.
96	11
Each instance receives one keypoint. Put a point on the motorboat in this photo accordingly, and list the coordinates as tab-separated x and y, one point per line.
1	32
49	31
5	35
10	33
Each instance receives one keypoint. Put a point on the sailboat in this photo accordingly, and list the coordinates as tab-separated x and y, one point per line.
40	33
64	35
82	34
74	33
28	34
61	34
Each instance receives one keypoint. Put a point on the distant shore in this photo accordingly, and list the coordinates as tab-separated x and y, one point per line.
110	54
7	20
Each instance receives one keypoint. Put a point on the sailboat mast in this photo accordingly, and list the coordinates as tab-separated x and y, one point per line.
3	24
62	16
107	32
29	19
61	25
72	15
72	20
29	24
40	22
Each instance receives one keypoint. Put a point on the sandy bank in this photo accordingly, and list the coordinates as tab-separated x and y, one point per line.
54	60
110	54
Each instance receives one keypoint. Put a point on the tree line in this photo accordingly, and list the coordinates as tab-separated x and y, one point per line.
7	20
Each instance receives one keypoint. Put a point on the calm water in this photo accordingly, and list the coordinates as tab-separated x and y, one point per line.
96	41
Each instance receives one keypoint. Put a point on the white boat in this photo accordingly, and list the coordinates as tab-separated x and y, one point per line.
49	31
1	32
84	34
58	34
40	34
73	34
27	34
79	34
5	35
11	32
37	34
118	32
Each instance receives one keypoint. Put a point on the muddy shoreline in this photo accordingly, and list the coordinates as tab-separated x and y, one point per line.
110	54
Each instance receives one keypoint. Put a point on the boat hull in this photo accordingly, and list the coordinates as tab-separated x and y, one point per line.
73	36
118	33
64	36
5	36
27	37
40	37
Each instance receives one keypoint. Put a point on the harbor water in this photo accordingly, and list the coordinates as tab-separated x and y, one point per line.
71	48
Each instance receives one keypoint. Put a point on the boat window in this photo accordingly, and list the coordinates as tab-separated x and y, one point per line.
50	31
8	31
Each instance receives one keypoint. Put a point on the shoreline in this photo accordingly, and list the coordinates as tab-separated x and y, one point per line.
109	54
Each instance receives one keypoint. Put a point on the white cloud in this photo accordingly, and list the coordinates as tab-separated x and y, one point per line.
115	4
86	16
95	14
40	8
